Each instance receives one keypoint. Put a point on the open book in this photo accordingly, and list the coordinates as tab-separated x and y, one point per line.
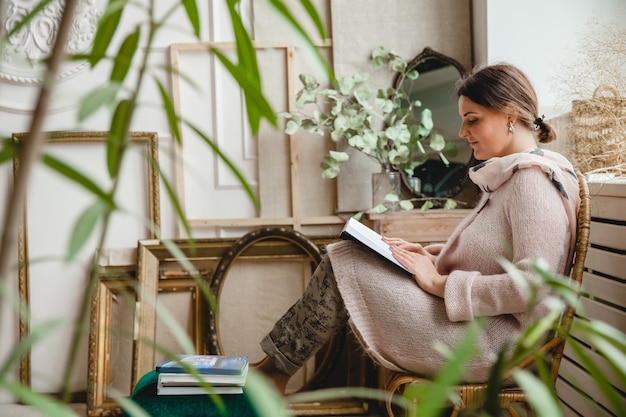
357	231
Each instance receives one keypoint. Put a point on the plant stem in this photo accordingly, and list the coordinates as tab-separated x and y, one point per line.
28	151
90	289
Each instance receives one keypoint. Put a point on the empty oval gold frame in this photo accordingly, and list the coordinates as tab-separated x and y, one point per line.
329	353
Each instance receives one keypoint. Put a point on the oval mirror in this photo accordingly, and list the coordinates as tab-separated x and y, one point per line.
435	88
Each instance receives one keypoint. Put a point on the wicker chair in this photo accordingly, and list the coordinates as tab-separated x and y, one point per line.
470	395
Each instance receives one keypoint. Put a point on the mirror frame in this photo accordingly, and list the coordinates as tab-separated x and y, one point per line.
430	54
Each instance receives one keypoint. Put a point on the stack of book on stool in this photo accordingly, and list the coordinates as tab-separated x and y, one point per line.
202	375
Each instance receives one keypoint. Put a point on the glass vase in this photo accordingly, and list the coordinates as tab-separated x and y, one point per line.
386	189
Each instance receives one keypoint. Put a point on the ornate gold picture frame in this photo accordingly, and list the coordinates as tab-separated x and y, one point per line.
113	329
326	368
119	285
74	141
112	339
339	363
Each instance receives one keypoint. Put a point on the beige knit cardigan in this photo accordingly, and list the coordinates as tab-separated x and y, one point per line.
400	326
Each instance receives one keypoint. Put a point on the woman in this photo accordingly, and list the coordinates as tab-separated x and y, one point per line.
527	212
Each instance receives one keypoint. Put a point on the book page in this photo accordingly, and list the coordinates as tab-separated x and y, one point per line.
369	238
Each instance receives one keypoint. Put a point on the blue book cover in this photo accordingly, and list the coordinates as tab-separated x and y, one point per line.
204	364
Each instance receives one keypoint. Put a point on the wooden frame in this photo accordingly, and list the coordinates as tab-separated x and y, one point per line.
115	286
328	356
240	247
153	270
152	254
148	139
264	243
426	61
296	220
267	234
111	285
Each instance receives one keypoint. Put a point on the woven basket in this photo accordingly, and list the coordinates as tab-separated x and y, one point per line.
598	130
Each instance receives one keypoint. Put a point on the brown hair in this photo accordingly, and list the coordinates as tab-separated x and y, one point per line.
501	85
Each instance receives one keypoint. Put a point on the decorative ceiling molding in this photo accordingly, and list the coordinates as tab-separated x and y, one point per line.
22	55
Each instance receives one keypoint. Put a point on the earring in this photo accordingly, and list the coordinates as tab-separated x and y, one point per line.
511	127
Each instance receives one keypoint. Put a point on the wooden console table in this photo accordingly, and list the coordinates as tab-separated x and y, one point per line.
430	226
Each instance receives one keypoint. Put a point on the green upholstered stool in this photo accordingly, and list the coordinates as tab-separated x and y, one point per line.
145	396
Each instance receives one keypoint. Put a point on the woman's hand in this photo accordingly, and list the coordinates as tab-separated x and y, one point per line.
420	263
411	247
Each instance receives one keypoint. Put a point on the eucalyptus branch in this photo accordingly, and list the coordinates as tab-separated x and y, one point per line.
378	122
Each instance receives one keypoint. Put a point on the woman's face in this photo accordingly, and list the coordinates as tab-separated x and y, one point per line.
486	130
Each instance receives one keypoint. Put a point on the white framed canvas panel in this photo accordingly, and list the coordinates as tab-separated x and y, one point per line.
273	163
52	288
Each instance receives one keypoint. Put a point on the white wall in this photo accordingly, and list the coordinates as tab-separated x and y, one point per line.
536	35
551	41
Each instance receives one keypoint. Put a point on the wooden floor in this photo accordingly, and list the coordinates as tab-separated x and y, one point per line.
18	410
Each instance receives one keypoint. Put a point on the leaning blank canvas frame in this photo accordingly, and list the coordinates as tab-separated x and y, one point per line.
296	219
147	139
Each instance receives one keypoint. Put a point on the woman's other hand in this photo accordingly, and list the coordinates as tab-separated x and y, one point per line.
420	263
411	247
